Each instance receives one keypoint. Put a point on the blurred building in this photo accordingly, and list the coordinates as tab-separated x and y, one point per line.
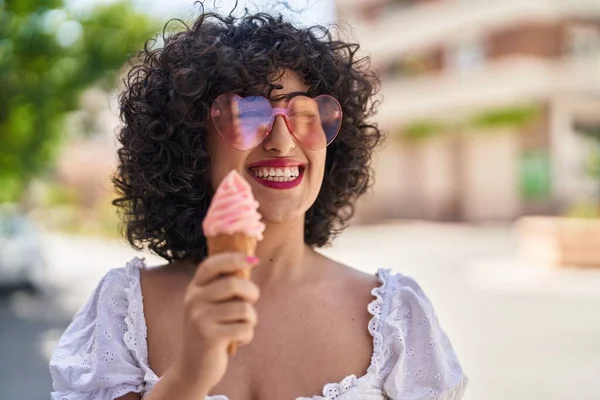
483	103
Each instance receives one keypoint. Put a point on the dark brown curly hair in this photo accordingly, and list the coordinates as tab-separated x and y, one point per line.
162	178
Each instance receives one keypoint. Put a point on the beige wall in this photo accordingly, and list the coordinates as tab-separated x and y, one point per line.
469	177
491	176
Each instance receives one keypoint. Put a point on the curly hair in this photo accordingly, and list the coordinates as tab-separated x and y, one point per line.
162	177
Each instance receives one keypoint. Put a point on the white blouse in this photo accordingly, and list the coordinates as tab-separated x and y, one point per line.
103	354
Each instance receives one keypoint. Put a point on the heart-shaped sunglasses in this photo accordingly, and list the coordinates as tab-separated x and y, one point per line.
244	122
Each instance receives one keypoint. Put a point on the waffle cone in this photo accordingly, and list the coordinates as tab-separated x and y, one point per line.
238	243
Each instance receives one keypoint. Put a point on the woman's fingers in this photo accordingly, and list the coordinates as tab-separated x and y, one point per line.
222	264
235	312
231	287
238	333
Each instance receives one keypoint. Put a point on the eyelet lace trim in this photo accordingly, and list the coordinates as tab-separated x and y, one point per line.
136	333
332	391
377	308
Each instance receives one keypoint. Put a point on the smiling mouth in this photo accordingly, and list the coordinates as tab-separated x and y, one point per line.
278	177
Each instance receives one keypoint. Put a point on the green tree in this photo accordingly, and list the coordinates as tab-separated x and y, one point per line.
48	56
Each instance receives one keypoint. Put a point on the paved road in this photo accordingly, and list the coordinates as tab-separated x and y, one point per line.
522	332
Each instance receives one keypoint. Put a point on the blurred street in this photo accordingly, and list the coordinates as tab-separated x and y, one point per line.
522	332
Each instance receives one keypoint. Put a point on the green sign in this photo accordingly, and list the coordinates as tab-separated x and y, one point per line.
535	175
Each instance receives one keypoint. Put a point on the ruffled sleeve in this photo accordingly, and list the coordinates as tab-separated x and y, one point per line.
417	361
97	357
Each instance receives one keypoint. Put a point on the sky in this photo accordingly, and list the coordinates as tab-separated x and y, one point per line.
311	11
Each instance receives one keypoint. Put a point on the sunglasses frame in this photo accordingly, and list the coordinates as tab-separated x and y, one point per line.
276	111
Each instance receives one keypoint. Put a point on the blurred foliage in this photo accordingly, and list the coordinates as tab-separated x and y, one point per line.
592	160
47	58
424	129
517	117
57	195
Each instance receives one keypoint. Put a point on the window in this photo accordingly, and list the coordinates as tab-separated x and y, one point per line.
583	40
466	55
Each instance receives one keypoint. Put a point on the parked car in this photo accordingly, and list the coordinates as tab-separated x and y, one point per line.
21	257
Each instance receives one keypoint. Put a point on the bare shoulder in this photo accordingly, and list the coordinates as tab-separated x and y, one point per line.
347	274
352	284
164	278
163	288
343	306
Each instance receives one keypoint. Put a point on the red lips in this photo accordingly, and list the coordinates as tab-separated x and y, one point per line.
278	163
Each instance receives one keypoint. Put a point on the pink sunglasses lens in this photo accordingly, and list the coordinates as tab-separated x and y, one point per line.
315	122
241	122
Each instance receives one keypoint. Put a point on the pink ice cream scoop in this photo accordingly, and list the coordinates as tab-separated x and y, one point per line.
233	209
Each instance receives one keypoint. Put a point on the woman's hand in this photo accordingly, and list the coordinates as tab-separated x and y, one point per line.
218	310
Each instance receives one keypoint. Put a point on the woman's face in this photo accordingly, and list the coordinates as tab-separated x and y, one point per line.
284	197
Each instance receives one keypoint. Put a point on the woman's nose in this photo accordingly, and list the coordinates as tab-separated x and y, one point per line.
280	139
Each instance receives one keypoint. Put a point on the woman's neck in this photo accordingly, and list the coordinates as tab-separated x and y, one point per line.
282	254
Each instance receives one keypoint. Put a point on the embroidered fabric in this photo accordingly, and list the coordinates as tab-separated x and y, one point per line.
103	354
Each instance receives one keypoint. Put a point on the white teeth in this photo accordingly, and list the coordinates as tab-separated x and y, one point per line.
277	174
291	171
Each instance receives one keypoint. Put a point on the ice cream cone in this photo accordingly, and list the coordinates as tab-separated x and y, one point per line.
237	243
232	222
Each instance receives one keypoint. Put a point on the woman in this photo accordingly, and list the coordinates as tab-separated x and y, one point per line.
325	330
